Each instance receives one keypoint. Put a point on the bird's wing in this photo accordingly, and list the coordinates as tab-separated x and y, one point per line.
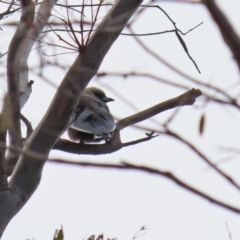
81	117
95	118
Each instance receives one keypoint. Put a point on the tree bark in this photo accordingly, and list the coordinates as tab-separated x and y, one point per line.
27	173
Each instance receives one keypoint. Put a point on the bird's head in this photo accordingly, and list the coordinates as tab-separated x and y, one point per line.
98	93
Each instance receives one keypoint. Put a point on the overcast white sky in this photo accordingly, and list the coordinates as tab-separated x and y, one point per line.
118	203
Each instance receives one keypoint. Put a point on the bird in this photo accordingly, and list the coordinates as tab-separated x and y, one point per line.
92	120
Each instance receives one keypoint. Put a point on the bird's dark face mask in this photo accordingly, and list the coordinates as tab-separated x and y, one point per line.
101	95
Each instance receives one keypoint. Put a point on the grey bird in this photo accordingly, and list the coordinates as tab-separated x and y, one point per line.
92	120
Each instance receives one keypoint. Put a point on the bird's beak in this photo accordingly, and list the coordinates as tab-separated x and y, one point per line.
107	99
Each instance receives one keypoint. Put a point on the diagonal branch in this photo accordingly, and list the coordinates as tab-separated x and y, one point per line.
188	98
229	35
205	159
129	166
27	173
8	11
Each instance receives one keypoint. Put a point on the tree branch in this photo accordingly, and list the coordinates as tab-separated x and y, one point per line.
14	71
8	11
11	110
129	166
3	135
90	149
28	125
43	14
205	159
187	98
27	173
229	35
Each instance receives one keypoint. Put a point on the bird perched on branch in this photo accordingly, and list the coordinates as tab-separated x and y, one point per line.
92	120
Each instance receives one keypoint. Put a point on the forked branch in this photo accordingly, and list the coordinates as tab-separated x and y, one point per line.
27	173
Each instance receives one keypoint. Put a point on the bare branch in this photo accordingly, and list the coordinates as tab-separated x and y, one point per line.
129	166
29	39
90	149
229	35
202	156
8	11
27	173
188	98
3	134
28	125
12	108
229	233
149	137
13	72
223	98
177	31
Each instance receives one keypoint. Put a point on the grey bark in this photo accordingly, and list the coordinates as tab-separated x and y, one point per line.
27	173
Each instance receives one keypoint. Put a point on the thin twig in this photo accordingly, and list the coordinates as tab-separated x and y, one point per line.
202	156
72	31
93	23
28	125
8	11
229	233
